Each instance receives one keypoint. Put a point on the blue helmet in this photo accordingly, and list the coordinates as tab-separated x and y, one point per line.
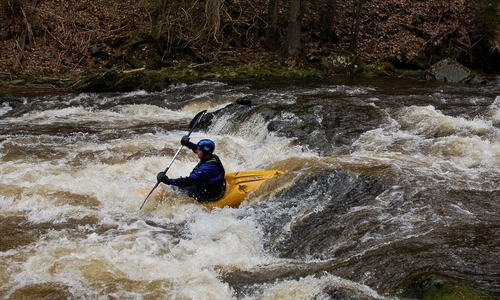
207	146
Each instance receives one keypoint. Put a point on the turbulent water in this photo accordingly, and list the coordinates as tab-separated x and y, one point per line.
389	184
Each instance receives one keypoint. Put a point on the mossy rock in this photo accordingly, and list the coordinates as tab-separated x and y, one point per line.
449	70
143	80
457	292
115	81
440	288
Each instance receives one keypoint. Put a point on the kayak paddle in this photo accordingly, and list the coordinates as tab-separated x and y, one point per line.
192	125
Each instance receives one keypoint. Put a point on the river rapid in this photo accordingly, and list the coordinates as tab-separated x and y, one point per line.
391	185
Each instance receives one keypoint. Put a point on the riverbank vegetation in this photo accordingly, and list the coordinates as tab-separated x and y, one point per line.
189	39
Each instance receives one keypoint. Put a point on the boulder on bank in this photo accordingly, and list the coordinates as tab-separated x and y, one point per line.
449	70
127	81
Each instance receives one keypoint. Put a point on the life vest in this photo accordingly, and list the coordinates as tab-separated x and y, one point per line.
210	191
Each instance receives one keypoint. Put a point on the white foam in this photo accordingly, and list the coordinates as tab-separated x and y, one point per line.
5	108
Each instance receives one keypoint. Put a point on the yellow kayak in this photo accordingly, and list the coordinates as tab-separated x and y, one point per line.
240	184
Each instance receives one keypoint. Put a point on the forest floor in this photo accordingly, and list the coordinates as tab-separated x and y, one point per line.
56	43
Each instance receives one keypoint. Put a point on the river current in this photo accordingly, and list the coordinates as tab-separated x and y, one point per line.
391	184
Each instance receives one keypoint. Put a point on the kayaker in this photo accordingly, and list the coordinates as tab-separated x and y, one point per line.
206	182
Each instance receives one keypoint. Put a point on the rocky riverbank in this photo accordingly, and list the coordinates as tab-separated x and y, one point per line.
141	79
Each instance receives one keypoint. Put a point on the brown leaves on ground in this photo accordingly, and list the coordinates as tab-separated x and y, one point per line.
69	38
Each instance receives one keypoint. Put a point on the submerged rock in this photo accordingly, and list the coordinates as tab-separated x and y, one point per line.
451	71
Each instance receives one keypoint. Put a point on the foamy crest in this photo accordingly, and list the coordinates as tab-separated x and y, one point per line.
5	108
311	287
426	120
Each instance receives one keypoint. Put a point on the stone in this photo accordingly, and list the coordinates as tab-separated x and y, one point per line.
449	70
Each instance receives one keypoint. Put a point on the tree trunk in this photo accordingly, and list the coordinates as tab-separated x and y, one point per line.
328	13
272	22
212	11
357	5
20	55
293	34
158	17
25	34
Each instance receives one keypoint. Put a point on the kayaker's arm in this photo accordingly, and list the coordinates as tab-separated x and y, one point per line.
182	181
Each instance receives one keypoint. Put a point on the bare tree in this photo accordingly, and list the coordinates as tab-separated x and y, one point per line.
356	13
327	14
272	22
294	29
159	15
212	12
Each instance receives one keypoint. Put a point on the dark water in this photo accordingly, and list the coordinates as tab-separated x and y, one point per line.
389	183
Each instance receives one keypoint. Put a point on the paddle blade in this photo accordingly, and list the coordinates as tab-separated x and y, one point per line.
196	119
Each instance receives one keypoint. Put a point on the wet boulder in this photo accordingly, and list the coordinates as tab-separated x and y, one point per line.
11	101
449	70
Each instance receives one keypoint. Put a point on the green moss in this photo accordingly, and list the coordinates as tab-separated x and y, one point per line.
434	287
376	69
410	73
182	73
455	293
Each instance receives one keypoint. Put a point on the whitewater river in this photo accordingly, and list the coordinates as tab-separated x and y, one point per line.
390	185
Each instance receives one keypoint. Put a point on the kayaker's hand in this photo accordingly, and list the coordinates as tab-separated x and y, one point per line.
162	177
184	140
